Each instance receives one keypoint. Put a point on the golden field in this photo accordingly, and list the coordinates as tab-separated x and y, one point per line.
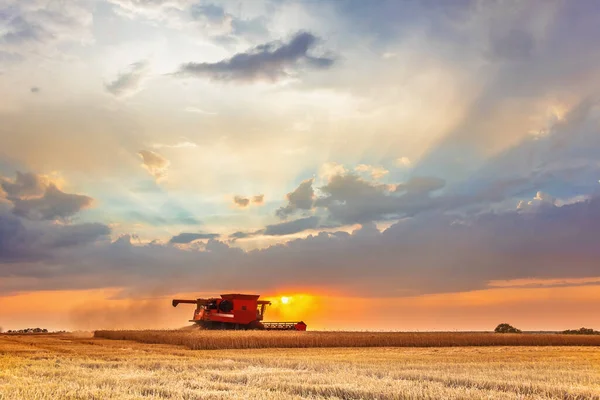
77	367
214	340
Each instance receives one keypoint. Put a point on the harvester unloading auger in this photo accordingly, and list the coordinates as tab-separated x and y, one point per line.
236	311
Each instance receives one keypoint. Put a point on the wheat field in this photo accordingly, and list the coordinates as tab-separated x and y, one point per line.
70	367
212	340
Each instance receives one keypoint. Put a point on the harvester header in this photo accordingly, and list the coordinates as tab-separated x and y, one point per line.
235	311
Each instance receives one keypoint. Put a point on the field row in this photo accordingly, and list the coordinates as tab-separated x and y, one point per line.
213	340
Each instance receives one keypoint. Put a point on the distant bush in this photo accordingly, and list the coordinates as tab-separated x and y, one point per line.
28	330
506	328
581	331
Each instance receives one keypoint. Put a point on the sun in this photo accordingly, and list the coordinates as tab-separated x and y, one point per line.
285	300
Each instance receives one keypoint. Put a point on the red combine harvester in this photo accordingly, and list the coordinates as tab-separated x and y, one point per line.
236	311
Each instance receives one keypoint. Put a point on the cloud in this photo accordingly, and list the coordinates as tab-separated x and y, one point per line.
349	199
403	162
24	185
34	27
129	82
300	199
185	237
471	253
35	197
54	204
540	201
244	202
267	62
156	164
258	199
28	243
241	201
75	235
210	20
243	235
291	227
420	185
373	171
162	10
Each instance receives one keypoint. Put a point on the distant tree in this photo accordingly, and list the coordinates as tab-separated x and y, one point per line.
506	328
581	331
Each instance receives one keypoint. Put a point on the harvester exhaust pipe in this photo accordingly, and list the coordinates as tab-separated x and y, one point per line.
177	301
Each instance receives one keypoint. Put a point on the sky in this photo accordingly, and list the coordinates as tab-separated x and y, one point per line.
398	165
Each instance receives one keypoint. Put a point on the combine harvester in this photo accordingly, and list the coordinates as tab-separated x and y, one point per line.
236	311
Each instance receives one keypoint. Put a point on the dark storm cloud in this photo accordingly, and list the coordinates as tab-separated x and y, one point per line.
243	235
37	241
54	204
301	198
420	185
291	227
75	235
468	254
129	82
185	237
269	62
349	199
33	197
25	185
281	229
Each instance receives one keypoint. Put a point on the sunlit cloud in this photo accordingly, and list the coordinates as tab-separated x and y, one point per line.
374	171
241	201
154	163
403	162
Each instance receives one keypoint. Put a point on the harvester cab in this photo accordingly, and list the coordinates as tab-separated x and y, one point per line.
235	311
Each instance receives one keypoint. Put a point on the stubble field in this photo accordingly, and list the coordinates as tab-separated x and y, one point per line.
71	367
